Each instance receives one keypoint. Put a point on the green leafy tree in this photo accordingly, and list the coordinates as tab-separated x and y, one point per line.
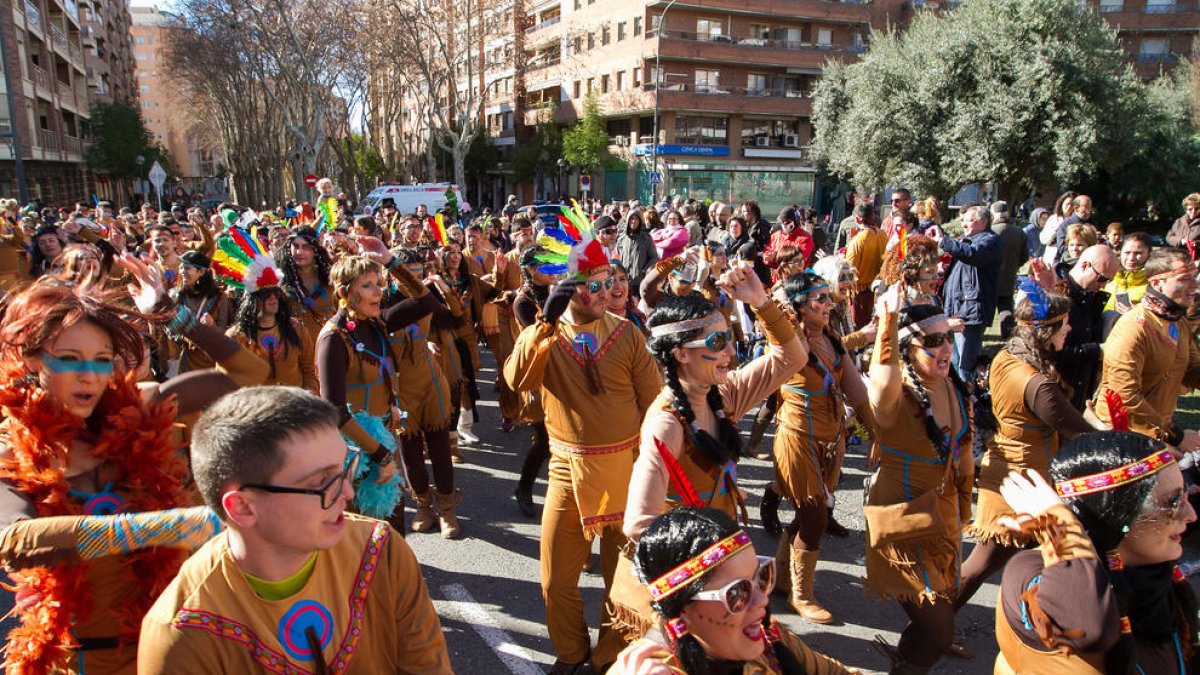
540	155
1020	92
117	136
585	143
367	162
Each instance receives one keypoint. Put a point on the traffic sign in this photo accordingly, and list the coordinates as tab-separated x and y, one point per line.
157	177
655	178
585	182
311	180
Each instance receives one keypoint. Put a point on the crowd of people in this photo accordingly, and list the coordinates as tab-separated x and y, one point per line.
217	428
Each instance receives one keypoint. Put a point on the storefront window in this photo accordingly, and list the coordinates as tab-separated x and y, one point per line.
771	189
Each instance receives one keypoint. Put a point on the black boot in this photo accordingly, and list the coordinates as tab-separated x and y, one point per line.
835	529
768	512
525	503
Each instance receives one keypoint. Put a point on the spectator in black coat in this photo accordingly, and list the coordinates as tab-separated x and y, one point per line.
1079	360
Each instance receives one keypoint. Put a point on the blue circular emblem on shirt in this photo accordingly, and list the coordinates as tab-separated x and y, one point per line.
586	340
296	622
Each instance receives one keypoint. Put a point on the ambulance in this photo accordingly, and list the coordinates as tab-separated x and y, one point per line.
409	197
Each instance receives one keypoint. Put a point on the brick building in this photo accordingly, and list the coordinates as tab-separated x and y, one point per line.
1156	34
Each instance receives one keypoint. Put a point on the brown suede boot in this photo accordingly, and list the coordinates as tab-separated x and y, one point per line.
455	456
783	566
804	570
446	517
424	520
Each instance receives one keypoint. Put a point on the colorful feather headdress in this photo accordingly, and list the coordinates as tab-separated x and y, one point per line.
1036	296
571	247
242	261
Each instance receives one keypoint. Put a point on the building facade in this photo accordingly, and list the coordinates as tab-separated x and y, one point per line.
196	164
1156	34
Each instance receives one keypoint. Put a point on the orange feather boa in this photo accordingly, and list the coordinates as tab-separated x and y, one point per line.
135	440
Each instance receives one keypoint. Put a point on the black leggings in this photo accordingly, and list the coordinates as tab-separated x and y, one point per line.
809	525
929	632
437	443
986	559
535	458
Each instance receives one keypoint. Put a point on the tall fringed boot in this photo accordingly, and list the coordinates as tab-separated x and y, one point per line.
446	518
424	520
754	443
783	567
804	570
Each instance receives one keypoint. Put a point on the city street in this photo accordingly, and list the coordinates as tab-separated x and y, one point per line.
486	585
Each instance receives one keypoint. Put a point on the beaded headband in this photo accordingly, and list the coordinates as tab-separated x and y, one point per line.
1114	478
1042	322
702	563
1189	269
918	328
684	326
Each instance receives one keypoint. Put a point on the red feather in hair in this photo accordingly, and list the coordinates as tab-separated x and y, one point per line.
679	479
1118	414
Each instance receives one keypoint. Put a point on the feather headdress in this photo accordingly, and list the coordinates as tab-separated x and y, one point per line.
1036	295
242	261
571	247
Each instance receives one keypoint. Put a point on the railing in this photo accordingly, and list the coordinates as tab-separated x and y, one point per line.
65	92
753	92
760	42
76	51
33	15
57	36
49	140
1165	57
545	24
72	145
543	60
72	8
1169	8
41	78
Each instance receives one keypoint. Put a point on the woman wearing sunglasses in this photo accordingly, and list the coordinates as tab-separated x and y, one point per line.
1103	594
689	444
1034	416
709	594
923	445
810	442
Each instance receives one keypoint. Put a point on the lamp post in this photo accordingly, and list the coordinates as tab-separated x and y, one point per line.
658	80
140	161
562	169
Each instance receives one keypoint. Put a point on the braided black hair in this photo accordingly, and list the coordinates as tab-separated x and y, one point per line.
1106	517
728	444
672	539
908	316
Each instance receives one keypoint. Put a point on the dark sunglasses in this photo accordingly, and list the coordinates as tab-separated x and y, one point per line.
737	594
820	298
716	340
843	278
595	286
328	492
607	231
932	340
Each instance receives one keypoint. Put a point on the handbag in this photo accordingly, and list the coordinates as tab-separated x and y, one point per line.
919	518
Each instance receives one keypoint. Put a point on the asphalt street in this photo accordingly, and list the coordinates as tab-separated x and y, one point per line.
486	589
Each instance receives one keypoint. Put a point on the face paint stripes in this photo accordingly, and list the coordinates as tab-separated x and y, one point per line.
57	365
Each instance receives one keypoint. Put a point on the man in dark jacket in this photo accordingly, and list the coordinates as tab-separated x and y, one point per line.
1079	360
1016	252
970	290
1187	227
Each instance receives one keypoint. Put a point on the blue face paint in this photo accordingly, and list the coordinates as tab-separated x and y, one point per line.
706	357
928	352
57	365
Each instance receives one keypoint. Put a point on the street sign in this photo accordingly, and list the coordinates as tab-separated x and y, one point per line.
311	180
655	178
585	182
157	177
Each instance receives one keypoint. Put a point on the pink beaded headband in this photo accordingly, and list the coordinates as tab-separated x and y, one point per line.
695	567
1114	478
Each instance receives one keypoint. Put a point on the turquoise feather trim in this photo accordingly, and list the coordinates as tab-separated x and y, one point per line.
377	500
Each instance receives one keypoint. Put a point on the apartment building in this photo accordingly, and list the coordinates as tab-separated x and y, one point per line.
1156	34
46	98
728	81
197	165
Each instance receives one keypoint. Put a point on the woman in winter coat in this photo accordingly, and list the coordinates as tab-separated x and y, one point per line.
636	249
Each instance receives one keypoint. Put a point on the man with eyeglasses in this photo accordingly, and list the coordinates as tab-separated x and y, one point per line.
1152	355
596	380
970	289
294	584
1078	362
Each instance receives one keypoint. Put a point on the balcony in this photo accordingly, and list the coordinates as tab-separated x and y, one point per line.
687	96
1161	57
815	10
72	9
41	80
72	145
59	38
758	50
544	24
1168	8
33	15
49	140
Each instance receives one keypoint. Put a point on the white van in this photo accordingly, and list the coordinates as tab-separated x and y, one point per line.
409	197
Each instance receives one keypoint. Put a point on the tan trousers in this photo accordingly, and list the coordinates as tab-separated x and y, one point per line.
564	552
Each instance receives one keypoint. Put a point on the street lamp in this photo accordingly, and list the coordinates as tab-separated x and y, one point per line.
562	169
658	80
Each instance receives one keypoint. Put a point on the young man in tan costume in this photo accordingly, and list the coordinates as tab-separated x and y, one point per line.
596	380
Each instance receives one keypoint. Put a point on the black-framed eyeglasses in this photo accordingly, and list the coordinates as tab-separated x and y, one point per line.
1101	278
737	594
329	492
933	340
